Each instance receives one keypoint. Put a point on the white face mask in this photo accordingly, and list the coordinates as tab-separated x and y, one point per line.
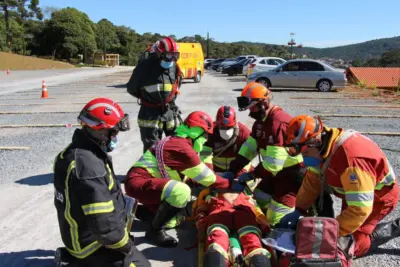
226	134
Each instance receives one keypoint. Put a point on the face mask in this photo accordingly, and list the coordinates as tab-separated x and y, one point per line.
258	116
113	143
166	64
311	161
198	143
226	134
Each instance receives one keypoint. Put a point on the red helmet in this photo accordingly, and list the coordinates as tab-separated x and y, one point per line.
200	119
167	48
226	117
104	113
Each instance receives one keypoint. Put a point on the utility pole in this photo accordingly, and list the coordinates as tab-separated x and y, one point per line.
292	42
208	45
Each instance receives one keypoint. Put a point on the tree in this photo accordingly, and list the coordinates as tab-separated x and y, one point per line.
69	32
17	9
106	36
391	58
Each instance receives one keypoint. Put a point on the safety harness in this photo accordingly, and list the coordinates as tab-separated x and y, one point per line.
174	91
342	138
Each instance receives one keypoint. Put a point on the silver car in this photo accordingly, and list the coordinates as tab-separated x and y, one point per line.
302	73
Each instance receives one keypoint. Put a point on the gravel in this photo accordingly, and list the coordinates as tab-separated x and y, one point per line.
214	90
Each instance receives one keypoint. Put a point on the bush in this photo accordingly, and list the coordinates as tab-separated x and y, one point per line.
373	85
362	84
100	62
376	93
75	61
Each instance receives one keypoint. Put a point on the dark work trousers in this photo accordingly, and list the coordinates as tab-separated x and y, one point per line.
153	122
111	258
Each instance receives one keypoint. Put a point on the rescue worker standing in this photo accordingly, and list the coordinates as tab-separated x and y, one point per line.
356	170
156	179
155	83
281	173
88	197
227	138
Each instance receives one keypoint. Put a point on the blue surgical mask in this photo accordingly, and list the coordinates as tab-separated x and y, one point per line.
166	64
113	143
311	161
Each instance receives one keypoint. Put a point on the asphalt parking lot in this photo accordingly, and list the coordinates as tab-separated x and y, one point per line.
28	225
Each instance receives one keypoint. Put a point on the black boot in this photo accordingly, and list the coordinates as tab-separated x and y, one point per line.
156	232
214	259
143	214
385	232
259	261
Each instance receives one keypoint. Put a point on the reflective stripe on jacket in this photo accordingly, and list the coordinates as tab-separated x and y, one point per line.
357	172
88	198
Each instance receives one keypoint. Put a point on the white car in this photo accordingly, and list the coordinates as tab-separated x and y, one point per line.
207	60
264	64
247	65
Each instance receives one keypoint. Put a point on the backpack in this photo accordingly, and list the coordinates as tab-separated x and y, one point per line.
317	244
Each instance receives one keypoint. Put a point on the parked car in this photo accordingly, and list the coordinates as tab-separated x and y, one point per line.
236	68
302	73
214	62
217	65
265	63
245	57
247	65
208	60
226	62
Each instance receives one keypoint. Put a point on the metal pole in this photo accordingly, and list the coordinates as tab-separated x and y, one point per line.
208	45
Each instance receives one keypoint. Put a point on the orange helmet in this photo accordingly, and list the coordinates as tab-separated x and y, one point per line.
253	93
303	129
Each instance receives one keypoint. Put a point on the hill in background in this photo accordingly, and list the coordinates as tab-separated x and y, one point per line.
363	51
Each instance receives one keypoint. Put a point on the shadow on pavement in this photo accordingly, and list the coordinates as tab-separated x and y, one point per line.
118	86
31	258
239	79
139	226
382	251
37	180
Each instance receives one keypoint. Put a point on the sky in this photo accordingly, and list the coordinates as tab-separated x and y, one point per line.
315	23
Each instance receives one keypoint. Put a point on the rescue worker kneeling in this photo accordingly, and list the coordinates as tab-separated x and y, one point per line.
223	145
219	212
156	179
357	171
88	197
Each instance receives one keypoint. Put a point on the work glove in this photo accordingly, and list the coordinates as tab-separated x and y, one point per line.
290	220
238	186
243	178
228	175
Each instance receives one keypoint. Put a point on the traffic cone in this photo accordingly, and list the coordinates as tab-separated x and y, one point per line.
8	72
44	90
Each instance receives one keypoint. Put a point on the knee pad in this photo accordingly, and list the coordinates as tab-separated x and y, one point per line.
176	193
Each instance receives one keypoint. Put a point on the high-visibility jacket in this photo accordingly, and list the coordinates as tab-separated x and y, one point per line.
88	198
152	83
358	170
267	138
180	161
222	161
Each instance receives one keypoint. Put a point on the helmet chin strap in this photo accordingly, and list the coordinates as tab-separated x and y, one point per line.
97	138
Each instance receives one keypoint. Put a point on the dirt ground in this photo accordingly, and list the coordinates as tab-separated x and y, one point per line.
18	62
